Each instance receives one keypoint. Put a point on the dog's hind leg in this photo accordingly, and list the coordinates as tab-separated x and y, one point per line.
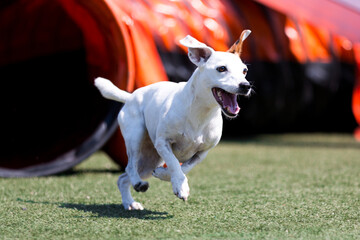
134	132
147	160
127	200
132	171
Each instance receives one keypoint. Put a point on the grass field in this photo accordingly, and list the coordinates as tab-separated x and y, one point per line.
293	186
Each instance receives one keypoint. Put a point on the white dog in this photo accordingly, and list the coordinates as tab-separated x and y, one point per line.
177	122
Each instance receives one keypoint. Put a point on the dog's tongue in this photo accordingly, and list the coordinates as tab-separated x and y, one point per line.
230	103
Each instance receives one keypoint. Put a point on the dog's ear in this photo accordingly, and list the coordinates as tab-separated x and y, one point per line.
236	48
199	53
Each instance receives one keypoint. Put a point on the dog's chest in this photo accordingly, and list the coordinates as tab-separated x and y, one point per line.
186	146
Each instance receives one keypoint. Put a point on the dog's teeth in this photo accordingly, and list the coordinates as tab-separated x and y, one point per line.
219	95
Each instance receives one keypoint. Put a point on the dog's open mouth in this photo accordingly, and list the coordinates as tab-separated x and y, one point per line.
227	101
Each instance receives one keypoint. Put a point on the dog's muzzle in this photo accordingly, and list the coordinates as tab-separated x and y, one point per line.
228	101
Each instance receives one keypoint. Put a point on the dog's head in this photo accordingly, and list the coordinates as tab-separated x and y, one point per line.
223	73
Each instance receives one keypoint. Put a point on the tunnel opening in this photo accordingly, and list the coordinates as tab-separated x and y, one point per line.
52	116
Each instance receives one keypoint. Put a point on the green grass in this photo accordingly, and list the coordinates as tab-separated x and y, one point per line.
294	186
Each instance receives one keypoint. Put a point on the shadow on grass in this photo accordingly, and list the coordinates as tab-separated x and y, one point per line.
71	172
107	210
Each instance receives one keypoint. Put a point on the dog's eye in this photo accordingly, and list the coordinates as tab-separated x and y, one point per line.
245	71
221	69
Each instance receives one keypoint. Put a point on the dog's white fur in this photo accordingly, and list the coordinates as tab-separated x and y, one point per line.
175	122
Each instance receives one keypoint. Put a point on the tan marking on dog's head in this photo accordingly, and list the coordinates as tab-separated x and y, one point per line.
236	48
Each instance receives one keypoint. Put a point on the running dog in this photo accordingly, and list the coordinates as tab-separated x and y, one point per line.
177	122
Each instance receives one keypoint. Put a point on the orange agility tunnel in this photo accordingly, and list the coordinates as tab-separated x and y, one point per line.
50	53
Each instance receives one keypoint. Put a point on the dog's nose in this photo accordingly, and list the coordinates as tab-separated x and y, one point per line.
244	87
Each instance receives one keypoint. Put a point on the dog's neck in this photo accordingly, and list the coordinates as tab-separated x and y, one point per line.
202	105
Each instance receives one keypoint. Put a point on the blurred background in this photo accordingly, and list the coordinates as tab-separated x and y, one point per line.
303	58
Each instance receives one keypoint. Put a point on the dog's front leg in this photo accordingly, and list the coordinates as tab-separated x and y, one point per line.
164	173
178	179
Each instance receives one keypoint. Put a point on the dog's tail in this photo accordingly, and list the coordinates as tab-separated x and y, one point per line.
110	91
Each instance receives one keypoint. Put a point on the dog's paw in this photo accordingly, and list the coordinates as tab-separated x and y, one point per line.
141	186
181	187
133	206
162	173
